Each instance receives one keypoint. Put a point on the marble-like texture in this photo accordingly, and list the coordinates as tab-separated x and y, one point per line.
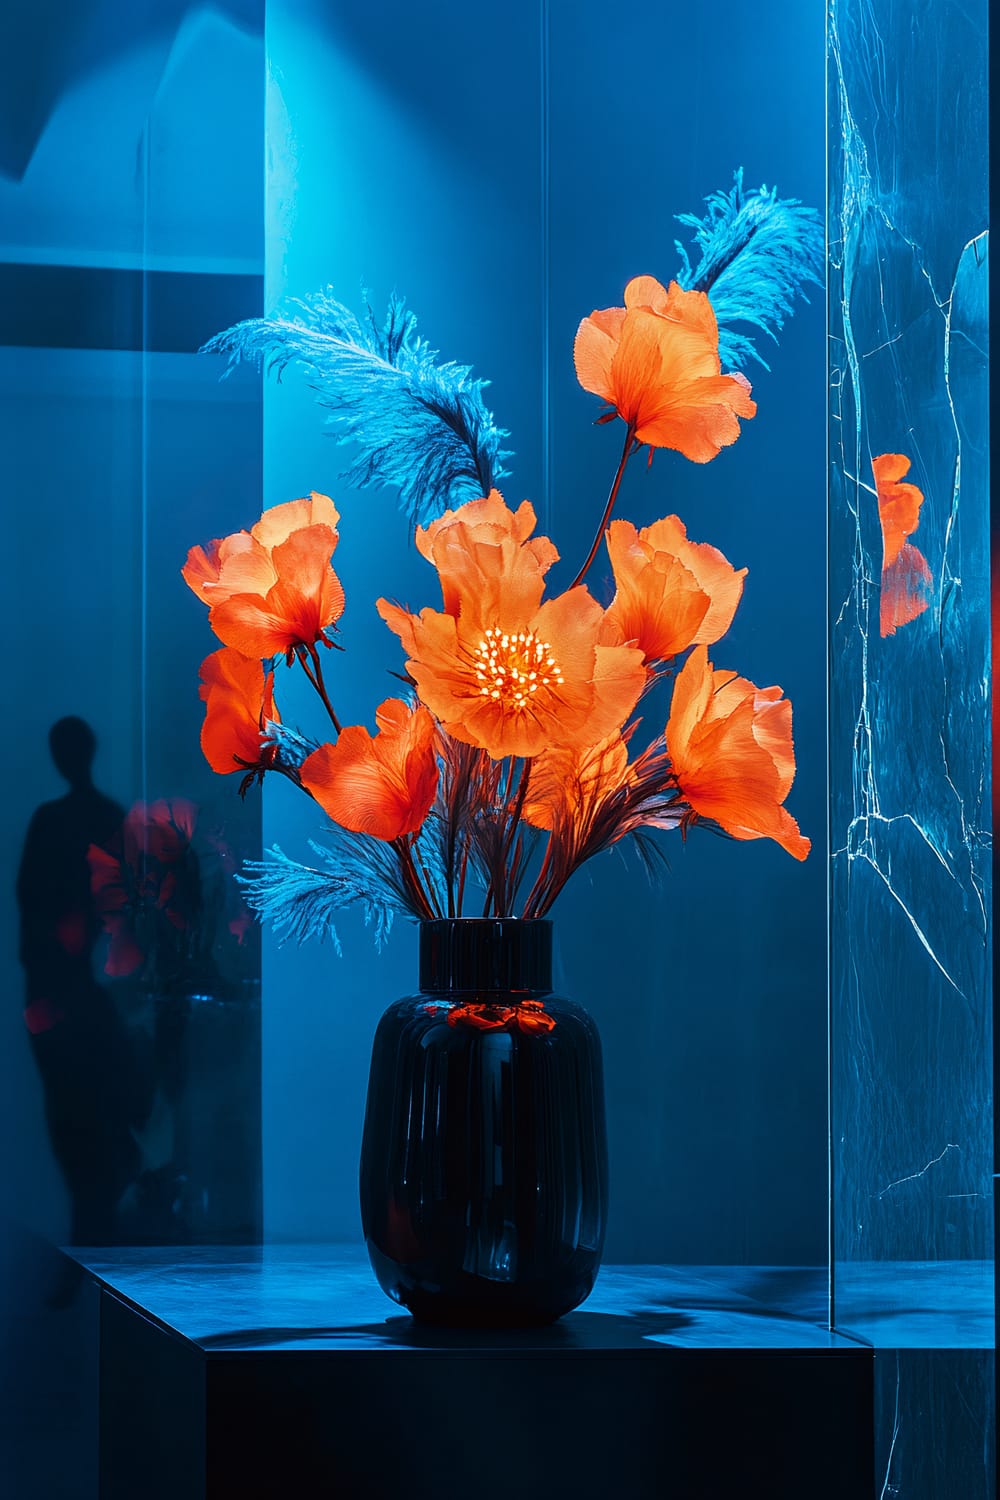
911	1108
326	1296
910	822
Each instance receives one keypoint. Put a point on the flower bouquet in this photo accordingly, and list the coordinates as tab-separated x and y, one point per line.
530	735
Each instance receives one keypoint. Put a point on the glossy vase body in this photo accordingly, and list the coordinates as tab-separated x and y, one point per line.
484	1161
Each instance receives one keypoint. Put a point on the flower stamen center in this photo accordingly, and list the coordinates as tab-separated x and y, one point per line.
512	666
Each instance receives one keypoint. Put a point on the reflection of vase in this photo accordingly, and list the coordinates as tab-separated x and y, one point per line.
484	1162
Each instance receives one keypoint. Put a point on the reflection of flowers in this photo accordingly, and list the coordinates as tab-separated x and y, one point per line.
528	1015
149	896
905	574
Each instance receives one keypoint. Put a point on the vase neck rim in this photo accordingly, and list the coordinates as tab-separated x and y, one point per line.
489	955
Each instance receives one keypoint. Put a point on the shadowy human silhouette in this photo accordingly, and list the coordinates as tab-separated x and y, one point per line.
78	1039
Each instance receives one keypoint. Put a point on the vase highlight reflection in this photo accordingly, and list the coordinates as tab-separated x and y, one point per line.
484	1160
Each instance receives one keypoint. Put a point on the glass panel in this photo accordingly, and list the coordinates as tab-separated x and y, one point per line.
910	769
131	146
203	268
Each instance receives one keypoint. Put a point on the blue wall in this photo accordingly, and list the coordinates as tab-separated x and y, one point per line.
508	167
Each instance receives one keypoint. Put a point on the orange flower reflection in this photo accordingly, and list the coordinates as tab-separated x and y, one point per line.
730	744
500	669
382	786
272	588
656	360
905	574
529	1016
671	593
238	699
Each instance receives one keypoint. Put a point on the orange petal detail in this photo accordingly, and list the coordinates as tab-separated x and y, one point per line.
656	360
671	593
238	698
500	668
730	744
383	785
906	576
567	786
272	588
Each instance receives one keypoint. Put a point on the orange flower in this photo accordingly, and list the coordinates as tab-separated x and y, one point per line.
272	588
905	574
464	546
499	668
656	360
382	786
238	698
568	785
730	744
671	593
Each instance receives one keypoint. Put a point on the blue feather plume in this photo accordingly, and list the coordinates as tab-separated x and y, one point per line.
301	901
757	250
421	427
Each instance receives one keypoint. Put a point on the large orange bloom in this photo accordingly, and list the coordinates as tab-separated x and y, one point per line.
905	574
499	668
238	697
671	593
382	786
730	744
272	588
656	360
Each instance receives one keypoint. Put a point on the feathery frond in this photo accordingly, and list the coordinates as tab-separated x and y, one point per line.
300	901
293	748
757	250
421	427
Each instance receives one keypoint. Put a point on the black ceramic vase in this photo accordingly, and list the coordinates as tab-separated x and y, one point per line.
484	1161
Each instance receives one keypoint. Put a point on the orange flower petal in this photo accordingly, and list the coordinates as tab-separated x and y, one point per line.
594	350
500	669
272	588
657	361
567	784
307	598
730	745
277	524
382	786
487	558
671	593
238	698
246	567
202	567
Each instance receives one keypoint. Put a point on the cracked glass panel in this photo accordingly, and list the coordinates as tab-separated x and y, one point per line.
909	714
